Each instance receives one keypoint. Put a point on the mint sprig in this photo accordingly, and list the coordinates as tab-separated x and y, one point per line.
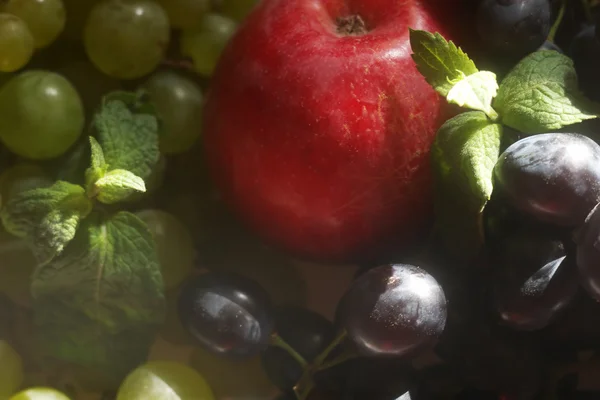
128	139
439	61
106	286
539	95
47	217
98	291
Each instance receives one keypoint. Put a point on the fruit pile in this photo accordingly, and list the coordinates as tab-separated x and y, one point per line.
299	199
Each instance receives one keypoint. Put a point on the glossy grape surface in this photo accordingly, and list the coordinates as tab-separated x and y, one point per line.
307	332
164	380
126	39
12	370
205	41
184	14
179	102
45	18
173	243
227	313
40	393
16	42
533	282
393	310
554	177
41	115
513	27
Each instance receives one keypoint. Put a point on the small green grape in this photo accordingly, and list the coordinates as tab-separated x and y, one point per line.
127	39
16	42
164	380
11	366
179	102
45	18
237	10
205	42
41	115
184	14
40	393
174	245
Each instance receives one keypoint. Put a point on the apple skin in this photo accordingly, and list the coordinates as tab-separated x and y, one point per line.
320	141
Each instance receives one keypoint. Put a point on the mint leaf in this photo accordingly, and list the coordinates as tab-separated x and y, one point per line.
117	185
98	166
138	102
541	94
99	304
464	154
129	140
47	217
476	92
439	61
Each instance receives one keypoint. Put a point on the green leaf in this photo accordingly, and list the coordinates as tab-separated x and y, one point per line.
464	154
476	92
98	165
541	94
47	217
138	102
129	140
439	61
117	185
100	303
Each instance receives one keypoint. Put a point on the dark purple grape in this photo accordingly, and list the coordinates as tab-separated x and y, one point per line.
533	281
554	177
307	332
227	313
513	28
585	52
587	239
393	310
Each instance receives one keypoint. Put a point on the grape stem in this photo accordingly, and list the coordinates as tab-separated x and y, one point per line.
306	384
338	360
559	19
277	341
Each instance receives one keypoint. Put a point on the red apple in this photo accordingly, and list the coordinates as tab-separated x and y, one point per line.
318	126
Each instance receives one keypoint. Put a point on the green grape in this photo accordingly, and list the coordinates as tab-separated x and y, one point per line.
237	10
41	115
127	38
90	83
16	42
45	18
40	393
164	380
179	104
174	245
11	366
184	14
205	42
232	378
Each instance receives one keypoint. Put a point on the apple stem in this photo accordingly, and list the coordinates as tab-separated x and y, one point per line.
277	341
